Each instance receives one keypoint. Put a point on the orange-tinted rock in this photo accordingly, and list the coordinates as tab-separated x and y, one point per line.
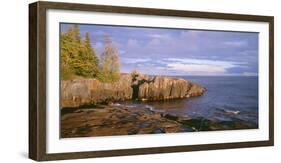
165	88
195	90
109	121
76	93
83	92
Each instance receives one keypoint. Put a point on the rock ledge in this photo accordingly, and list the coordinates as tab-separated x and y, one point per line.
87	92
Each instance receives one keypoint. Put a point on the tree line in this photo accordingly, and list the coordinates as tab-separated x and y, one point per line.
79	59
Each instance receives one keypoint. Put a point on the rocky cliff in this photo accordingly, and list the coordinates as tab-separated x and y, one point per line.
165	88
77	93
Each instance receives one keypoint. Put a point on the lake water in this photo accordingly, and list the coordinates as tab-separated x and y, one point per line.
227	98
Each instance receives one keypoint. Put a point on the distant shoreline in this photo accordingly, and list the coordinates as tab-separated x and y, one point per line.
198	75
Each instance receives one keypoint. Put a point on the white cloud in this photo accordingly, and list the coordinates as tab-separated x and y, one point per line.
236	43
200	66
159	36
159	40
185	66
135	60
197	69
225	64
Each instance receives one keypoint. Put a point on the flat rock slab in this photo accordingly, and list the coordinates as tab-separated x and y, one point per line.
118	120
111	121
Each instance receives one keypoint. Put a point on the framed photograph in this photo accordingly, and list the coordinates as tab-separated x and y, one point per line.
112	81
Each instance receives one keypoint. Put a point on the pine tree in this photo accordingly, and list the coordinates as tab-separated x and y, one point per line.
78	58
88	59
75	32
68	50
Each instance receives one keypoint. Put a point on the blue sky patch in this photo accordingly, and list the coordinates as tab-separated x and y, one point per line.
162	51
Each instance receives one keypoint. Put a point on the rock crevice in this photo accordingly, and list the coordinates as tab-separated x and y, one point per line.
77	93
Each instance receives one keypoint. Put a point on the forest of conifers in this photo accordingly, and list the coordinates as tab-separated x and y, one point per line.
78	59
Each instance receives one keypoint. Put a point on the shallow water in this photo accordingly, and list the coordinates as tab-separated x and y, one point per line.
226	98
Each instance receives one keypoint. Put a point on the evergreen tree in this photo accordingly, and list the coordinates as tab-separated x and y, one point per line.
88	61
78	58
68	51
75	33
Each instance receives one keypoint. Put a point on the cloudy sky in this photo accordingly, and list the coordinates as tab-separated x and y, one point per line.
179	51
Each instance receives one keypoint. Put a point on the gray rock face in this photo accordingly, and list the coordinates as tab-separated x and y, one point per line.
76	93
165	88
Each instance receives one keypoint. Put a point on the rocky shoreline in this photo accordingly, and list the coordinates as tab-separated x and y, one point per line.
88	107
88	92
110	120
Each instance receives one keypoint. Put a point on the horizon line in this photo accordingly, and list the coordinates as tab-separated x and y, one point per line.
237	75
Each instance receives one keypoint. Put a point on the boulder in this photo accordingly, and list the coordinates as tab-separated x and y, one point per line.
195	90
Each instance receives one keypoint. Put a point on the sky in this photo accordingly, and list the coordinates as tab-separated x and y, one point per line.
178	52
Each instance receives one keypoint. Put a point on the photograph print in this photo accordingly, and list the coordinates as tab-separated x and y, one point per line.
126	80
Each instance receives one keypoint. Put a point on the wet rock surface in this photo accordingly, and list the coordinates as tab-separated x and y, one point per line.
202	124
105	120
88	108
